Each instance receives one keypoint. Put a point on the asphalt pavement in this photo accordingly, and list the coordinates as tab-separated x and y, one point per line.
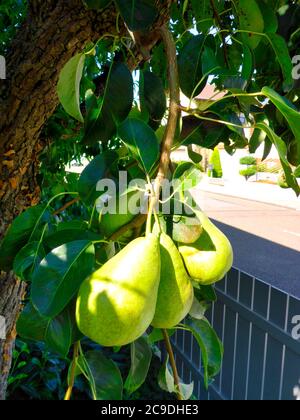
265	238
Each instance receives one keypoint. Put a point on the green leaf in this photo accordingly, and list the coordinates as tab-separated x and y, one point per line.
186	390
28	258
31	324
190	67
251	20
141	141
194	156
165	378
19	234
287	109
62	331
198	309
269	15
282	151
68	87
114	108
97	4
206	293
141	355
283	56
104	376
138	14
258	136
64	236
297	172
59	276
211	347
247	69
153	98
92	174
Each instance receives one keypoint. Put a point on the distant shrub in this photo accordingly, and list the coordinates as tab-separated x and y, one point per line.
248	160
247	173
216	164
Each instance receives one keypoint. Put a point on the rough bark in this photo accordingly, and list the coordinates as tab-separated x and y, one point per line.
53	32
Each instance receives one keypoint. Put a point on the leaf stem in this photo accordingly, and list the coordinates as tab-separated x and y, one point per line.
73	372
173	364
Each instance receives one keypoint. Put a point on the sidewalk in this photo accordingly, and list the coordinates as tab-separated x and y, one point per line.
264	193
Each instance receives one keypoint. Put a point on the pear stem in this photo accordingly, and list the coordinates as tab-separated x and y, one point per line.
173	364
73	371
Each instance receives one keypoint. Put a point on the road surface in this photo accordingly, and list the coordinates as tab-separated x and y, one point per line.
265	238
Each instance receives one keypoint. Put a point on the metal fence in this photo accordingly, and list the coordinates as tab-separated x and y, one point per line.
262	359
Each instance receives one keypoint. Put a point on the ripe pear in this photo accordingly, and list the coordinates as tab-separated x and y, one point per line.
175	293
116	304
210	258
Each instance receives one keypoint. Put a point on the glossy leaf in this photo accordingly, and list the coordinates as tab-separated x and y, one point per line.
27	259
19	234
68	87
31	324
114	108
165	378
190	67
287	109
65	236
251	20
104	376
141	142
210	345
282	151
153	98
92	174
283	56
62	331
138	14
59	276
141	355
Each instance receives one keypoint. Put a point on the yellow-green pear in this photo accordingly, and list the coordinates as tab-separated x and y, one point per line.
210	258
116	304
175	293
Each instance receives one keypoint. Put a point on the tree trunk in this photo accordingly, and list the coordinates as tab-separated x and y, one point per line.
53	32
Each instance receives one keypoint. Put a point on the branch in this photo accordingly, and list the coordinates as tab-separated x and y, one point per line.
136	223
66	206
173	364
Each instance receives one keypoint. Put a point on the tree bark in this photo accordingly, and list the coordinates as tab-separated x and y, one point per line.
53	32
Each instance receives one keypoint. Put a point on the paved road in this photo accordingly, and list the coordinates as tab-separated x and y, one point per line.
265	238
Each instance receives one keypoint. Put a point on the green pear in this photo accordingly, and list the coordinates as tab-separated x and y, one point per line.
112	222
210	258
175	293
116	304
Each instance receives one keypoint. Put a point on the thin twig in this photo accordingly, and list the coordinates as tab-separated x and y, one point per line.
66	206
173	364
138	221
73	372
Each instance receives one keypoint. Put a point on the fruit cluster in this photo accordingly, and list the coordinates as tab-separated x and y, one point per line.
149	283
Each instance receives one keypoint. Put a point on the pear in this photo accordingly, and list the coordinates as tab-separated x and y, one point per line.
210	258
175	293
111	223
116	304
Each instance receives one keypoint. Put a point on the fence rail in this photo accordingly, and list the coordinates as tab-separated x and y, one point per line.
261	359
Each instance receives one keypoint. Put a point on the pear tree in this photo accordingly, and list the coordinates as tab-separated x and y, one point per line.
121	90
